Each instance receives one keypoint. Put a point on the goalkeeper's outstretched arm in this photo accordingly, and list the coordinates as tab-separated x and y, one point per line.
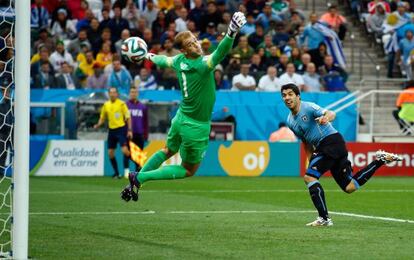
237	22
161	61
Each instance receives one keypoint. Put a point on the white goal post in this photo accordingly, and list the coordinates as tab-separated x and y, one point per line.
20	228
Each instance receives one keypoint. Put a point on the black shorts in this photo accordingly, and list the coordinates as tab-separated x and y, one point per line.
117	135
331	154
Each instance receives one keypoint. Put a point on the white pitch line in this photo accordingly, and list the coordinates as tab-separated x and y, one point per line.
346	214
212	191
95	213
371	217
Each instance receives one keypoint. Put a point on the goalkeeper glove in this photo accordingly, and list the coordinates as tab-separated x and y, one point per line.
237	22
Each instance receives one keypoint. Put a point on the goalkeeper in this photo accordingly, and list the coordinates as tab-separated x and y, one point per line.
190	128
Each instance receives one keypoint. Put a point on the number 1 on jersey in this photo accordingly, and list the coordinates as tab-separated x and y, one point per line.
184	84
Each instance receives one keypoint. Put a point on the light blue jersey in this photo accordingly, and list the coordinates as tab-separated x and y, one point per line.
306	128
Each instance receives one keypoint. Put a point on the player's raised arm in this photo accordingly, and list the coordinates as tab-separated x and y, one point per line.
161	61
236	23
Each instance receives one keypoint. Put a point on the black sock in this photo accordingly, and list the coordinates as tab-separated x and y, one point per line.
318	198
126	162
114	165
365	174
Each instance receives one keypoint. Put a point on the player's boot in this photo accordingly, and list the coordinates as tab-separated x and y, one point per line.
320	222
128	192
387	157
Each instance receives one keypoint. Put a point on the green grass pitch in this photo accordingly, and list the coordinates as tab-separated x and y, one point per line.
216	218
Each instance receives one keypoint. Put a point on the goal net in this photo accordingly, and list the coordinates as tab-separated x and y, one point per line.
7	17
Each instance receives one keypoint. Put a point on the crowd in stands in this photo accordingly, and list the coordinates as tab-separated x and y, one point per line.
391	23
77	44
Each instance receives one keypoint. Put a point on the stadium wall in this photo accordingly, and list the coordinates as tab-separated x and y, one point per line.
239	158
257	114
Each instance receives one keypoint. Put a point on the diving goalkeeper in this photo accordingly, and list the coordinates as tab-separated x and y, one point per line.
190	128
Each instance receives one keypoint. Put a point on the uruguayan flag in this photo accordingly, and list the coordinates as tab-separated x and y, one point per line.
333	43
391	25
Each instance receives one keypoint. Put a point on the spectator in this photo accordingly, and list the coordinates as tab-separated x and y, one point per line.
196	14
118	45
168	75
60	56
243	81
294	23
305	60
85	68
36	66
257	37
131	14
270	82
291	77
63	28
191	26
211	16
249	27
74	46
267	44
150	13
243	49
174	13
223	25
257	67
117	24
181	21
45	78
376	20
221	83
39	18
94	35
295	58
311	79
311	36
283	134
372	6
45	40
147	37
105	19
272	57
169	34
105	56
333	76
159	25
287	49
119	78
282	65
404	54
206	46
319	57
266	16
145	80
406	96
336	21
234	66
67	79
59	7
84	24
210	34
98	80
254	6
280	37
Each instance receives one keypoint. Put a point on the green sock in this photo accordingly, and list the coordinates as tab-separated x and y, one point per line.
154	162
164	173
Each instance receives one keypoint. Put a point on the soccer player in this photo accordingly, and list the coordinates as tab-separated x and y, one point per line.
190	128
311	123
119	122
139	120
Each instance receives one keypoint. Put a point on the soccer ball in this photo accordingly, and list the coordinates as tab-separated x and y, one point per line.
134	49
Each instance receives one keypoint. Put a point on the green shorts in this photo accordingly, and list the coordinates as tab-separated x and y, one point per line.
189	136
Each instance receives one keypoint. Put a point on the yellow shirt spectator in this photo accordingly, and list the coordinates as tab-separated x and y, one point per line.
116	112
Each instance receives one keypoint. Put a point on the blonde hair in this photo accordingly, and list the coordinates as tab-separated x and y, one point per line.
180	37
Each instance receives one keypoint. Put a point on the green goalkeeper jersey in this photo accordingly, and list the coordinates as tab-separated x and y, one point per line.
196	79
